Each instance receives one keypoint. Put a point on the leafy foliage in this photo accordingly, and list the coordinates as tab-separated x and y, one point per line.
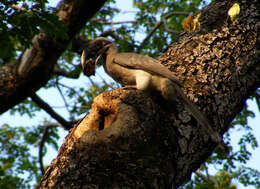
17	166
222	180
18	25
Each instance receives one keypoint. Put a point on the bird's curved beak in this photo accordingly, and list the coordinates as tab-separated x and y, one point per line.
83	59
88	66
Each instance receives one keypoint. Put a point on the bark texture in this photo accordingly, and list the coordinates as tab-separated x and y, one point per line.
34	69
135	140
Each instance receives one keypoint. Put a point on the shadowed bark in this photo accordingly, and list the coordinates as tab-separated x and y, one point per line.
135	140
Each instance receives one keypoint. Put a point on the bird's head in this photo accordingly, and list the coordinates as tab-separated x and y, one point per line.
101	44
97	47
90	55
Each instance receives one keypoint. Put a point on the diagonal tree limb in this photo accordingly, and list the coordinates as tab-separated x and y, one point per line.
37	63
74	74
63	97
71	88
111	22
40	156
207	178
157	25
111	33
43	140
149	35
46	107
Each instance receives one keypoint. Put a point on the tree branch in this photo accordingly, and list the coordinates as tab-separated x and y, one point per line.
74	74
37	63
157	25
166	27
62	96
111	33
70	88
40	155
46	107
149	35
79	43
97	21
206	178
42	142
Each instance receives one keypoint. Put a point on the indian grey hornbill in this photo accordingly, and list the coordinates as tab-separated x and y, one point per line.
143	73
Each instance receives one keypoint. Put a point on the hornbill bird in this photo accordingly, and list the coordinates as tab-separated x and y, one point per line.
143	73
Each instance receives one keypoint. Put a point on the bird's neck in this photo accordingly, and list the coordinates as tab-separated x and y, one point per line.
109	53
112	49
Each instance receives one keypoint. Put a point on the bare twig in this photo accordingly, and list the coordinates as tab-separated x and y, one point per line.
149	35
61	72
43	139
125	12
167	15
79	96
97	21
114	9
111	33
104	81
79	43
157	25
42	142
166	27
46	107
205	178
62	96
165	23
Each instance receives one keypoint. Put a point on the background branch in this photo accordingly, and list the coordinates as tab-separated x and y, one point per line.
74	74
149	35
157	25
70	88
97	21
207	179
43	139
46	107
42	142
111	33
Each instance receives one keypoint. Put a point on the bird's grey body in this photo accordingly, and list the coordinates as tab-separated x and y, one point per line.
147	74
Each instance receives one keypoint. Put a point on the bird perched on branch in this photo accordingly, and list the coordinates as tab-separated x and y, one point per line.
143	73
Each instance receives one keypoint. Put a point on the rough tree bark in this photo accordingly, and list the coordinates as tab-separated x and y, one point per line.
135	140
25	76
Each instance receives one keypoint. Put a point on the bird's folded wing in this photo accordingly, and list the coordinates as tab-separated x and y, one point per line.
146	63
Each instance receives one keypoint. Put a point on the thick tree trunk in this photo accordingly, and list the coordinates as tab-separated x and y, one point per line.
22	78
136	140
